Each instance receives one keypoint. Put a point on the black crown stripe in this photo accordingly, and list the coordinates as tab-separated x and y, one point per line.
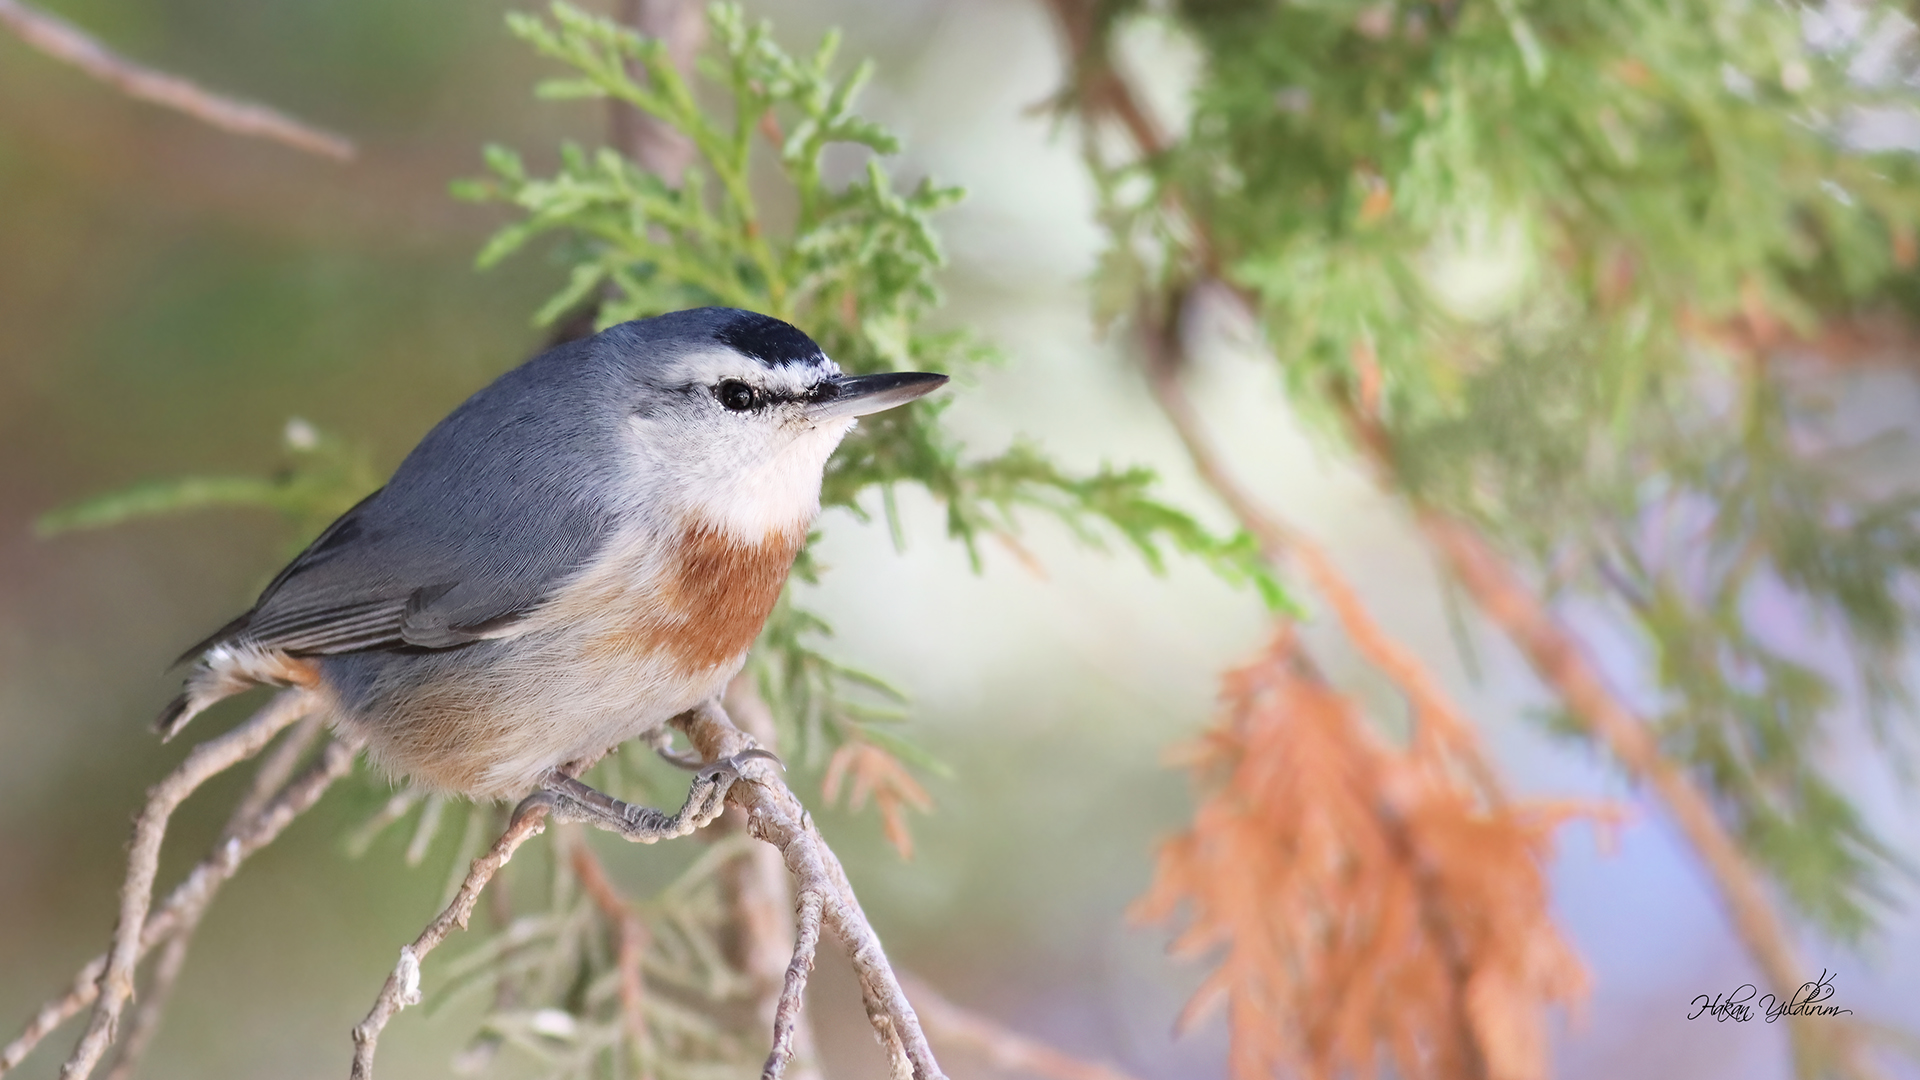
768	340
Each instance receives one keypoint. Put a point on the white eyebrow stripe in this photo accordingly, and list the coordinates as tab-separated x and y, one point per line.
707	367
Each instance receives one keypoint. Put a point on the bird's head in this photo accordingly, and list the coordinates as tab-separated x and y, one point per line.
731	416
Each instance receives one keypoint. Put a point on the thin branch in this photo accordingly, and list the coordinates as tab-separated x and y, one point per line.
268	780
787	1019
274	771
153	1003
136	895
396	807
1003	1047
1435	710
1097	88
188	900
69	44
775	814
402	987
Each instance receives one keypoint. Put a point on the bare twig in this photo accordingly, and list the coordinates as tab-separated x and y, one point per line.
275	769
787	1018
136	894
1003	1047
758	895
188	900
396	807
69	44
775	814
402	987
153	1003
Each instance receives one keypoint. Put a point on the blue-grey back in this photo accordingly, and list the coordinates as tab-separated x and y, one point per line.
499	504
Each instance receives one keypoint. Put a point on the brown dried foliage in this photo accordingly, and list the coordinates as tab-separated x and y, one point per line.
1367	902
879	776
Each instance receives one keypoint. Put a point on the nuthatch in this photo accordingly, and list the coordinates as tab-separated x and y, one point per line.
578	553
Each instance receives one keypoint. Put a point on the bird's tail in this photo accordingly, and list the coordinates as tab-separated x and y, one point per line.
216	677
174	716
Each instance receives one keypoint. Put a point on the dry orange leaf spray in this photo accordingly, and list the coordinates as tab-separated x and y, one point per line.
1367	903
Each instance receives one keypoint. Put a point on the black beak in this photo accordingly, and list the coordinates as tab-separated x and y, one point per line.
858	395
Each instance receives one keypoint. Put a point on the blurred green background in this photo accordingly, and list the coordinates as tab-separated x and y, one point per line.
171	296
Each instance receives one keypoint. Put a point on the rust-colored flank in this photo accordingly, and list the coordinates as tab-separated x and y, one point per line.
291	670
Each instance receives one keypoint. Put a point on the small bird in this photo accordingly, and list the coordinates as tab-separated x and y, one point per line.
581	551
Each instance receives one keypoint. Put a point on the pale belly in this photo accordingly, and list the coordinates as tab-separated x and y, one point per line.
490	719
634	642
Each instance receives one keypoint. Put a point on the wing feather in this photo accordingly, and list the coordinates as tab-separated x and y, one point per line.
498	506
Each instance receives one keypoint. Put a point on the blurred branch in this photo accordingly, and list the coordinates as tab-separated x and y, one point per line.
630	934
1553	652
1003	1047
188	901
1560	661
67	43
1439	723
652	143
1095	87
1439	716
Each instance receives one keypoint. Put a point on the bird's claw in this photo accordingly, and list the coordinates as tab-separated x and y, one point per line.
718	777
661	739
730	767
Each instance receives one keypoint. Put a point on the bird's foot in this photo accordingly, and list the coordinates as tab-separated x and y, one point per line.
706	799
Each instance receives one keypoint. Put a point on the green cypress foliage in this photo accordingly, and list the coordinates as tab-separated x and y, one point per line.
1570	255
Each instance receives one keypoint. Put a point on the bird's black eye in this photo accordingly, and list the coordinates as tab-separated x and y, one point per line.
737	395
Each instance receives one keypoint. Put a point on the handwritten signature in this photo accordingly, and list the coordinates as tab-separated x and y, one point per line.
1740	1005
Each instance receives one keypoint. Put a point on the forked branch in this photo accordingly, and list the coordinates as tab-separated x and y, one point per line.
136	894
183	907
268	779
775	814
